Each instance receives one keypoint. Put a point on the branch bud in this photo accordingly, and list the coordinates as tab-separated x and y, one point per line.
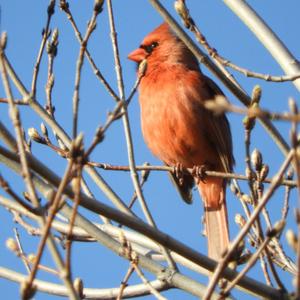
240	220
290	174
44	130
54	39
277	228
52	45
3	41
64	5
256	95
12	245
292	239
142	67
50	9
256	159
264	172
98	7
145	173
34	135
183	12
293	106
31	258
248	122
77	146
247	199
234	189
180	8
78	286
249	173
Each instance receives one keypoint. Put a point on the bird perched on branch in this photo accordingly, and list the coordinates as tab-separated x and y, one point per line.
180	131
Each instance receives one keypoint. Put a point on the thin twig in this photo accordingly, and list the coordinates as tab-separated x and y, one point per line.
134	260
25	169
110	167
188	22
65	7
256	192
221	106
15	246
20	250
99	135
127	130
270	234
53	209
267	37
140	75
265	213
144	176
50	12
52	51
77	184
285	207
152	290
90	28
90	293
17	102
5	186
295	145
124	283
15	117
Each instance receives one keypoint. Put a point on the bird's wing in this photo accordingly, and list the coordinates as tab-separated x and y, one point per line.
218	130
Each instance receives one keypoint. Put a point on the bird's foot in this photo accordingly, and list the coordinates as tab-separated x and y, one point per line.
178	170
199	172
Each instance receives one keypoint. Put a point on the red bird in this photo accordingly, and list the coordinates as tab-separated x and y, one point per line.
180	131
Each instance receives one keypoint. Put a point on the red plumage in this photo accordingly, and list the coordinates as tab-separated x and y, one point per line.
179	130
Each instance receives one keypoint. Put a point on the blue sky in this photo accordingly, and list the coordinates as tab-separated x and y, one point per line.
23	21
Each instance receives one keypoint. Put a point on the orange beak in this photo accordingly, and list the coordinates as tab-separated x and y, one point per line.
137	55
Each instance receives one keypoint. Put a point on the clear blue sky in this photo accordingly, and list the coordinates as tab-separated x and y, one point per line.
23	21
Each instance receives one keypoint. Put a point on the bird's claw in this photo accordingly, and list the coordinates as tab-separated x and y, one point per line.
199	172
178	170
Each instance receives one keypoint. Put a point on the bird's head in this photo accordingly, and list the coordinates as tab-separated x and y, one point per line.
162	46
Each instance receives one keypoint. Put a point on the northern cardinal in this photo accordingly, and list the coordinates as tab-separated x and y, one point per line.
180	131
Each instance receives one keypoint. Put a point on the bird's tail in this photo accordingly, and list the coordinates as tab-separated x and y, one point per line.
213	194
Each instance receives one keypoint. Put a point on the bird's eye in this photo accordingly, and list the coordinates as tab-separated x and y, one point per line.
149	48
